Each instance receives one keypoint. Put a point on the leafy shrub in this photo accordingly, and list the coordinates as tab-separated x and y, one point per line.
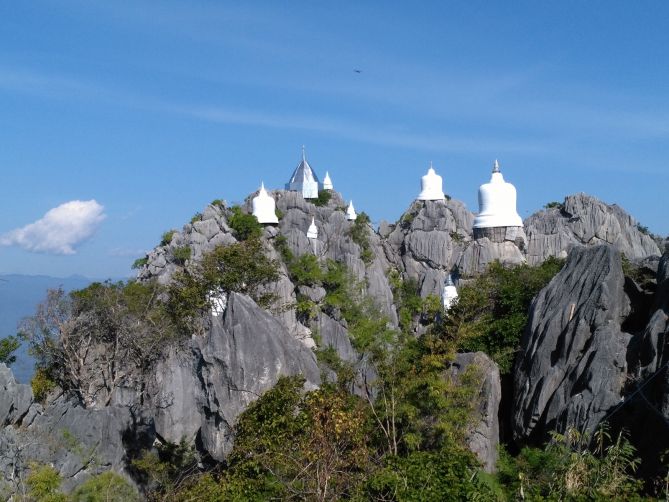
167	237
643	229
218	203
279	213
245	226
305	270
181	254
8	346
554	204
41	384
196	217
323	198
44	484
140	262
359	233
105	487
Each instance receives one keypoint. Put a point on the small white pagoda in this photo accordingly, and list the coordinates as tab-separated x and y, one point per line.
327	182
350	212
304	180
264	207
312	231
431	186
450	294
497	203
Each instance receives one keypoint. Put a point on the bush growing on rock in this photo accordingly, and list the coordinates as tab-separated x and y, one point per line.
167	237
8	346
323	198
245	226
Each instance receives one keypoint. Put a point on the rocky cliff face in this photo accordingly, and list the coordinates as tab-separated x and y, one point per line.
583	220
572	367
78	442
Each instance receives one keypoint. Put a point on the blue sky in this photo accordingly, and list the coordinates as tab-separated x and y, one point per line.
153	109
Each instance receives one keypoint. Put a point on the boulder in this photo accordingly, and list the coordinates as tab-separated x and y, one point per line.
572	364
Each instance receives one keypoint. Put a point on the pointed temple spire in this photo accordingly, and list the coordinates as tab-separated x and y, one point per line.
497	203
495	167
312	232
304	179
350	212
327	182
431	186
264	207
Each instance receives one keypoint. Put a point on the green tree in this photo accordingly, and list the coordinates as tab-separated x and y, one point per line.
245	226
43	483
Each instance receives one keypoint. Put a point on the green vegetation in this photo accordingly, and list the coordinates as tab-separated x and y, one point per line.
41	384
181	254
323	198
568	468
196	217
554	205
279	214
140	262
245	226
219	203
105	487
44	484
359	233
492	311
8	346
167	237
242	267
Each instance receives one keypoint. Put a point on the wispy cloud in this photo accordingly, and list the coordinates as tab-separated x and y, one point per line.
60	231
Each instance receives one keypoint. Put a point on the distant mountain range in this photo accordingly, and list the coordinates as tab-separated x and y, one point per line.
19	296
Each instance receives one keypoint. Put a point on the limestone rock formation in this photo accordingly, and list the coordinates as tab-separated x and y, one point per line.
483	437
428	240
572	365
200	391
77	442
585	220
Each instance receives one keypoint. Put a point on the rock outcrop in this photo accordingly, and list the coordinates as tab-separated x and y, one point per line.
483	437
583	220
572	364
200	391
77	442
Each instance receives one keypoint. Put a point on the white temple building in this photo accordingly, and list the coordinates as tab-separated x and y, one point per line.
304	180
350	212
327	182
312	232
497	204
431	186
450	294
264	207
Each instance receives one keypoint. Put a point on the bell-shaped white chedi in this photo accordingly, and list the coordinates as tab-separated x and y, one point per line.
431	186
327	182
304	180
497	203
450	294
350	212
264	207
312	232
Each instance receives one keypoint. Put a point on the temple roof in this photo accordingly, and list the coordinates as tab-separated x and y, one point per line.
303	172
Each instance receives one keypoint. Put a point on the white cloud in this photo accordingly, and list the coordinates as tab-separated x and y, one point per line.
60	230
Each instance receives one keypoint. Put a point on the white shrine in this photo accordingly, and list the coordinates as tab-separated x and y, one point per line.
264	207
450	294
350	212
312	231
327	182
431	186
497	205
304	180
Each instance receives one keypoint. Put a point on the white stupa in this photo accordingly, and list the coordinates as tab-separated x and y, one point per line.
431	186
304	180
264	207
312	232
327	182
350	212
450	294
497	203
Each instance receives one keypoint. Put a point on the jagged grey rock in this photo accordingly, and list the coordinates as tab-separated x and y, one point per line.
15	398
483	435
203	389
572	365
77	442
585	221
